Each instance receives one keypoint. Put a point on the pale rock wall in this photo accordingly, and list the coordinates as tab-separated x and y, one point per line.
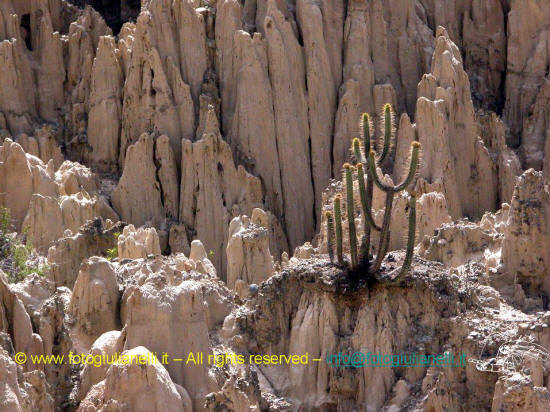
104	118
287	75
168	176
527	60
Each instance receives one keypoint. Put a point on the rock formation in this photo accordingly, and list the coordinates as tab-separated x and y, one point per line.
165	171
135	244
248	256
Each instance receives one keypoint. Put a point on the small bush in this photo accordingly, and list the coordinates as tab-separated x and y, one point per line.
112	253
14	254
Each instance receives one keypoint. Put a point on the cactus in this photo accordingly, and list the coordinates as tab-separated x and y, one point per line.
366	158
338	224
351	214
388	131
330	236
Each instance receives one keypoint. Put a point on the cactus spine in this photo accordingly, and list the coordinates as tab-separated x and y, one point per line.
367	158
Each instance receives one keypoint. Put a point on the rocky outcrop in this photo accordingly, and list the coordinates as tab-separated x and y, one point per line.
48	218
213	190
95	300
22	392
528	230
164	74
67	253
137	197
167	176
136	244
22	175
16	323
527	59
137	386
72	178
287	75
181	308
248	256
453	153
315	324
108	344
43	145
105	114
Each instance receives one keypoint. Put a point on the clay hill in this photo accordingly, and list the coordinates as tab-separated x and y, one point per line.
183	176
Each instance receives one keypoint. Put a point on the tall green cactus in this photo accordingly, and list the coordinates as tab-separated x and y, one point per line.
330	236
366	157
351	214
338	230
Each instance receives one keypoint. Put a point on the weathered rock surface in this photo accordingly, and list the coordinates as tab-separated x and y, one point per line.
95	299
137	197
67	253
137	117
137	387
136	244
453	153
248	257
213	190
524	251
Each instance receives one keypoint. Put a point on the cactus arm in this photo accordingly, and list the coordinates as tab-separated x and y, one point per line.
388	131
415	154
411	236
384	233
330	236
338	231
370	192
365	127
373	174
356	145
351	214
365	204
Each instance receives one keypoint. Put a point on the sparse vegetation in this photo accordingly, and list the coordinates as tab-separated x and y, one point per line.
112	253
14	254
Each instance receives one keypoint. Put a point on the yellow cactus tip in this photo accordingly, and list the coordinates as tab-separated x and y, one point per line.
347	165
412	193
359	166
387	107
366	116
416	145
372	153
328	214
356	141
